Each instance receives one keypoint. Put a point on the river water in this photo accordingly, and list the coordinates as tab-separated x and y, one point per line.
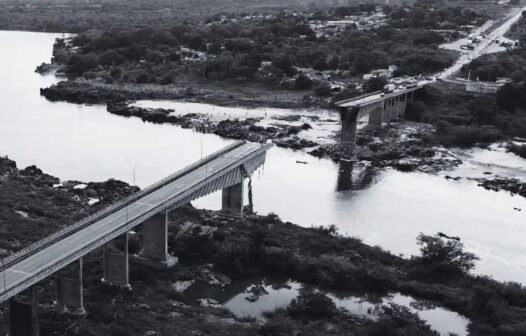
386	208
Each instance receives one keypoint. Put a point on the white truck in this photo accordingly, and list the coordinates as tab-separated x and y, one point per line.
389	88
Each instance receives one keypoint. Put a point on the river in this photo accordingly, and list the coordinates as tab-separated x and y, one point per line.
387	208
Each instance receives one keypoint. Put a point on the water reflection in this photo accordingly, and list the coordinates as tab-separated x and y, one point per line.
354	175
385	208
250	298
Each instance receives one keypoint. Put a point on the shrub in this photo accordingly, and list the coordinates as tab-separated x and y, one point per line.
322	90
303	82
142	79
310	304
444	255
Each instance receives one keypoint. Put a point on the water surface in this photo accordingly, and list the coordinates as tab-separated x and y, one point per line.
386	208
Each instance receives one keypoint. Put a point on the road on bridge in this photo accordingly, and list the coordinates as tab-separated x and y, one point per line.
96	234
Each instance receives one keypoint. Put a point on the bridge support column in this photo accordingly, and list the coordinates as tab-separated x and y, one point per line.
376	117
155	243
403	105
23	316
69	292
348	127
232	200
116	265
395	109
387	111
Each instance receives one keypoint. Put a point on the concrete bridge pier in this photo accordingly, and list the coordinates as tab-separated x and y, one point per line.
155	243
348	118
386	117
23	315
404	104
411	96
377	115
395	108
232	200
116	265
69	291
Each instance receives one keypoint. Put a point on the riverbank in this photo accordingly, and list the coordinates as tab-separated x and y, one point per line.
219	250
404	146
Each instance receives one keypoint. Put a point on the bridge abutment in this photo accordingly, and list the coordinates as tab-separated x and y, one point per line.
23	315
232	200
155	243
69	292
116	265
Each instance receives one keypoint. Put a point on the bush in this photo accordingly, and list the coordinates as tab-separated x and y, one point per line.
520	150
142	78
322	90
167	79
396	320
445	256
310	304
465	136
303	82
415	111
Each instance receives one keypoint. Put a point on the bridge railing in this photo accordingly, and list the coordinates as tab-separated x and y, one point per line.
340	102
70	229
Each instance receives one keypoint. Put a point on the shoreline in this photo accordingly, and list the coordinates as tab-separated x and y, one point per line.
316	256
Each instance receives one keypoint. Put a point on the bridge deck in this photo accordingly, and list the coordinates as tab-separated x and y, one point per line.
28	271
372	99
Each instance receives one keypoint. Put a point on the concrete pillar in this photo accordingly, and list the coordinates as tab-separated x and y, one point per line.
395	108
348	126
387	111
376	117
116	265
403	105
23	315
155	242
232	200
69	291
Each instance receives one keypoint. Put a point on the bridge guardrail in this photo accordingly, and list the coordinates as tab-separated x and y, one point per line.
70	229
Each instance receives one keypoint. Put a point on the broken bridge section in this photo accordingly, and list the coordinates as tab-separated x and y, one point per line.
108	229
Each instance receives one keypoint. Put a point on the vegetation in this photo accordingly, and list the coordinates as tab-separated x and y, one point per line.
464	119
431	14
508	64
259	246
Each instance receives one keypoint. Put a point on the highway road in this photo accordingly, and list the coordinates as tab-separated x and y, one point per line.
485	46
90	238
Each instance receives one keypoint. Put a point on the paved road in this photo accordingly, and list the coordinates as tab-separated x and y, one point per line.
485	46
149	204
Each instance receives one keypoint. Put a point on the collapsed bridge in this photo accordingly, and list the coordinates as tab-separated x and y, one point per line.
224	170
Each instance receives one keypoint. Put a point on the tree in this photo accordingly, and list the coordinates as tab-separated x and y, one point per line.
303	82
142	78
284	63
323	90
374	84
415	111
320	65
334	63
111	57
445	255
